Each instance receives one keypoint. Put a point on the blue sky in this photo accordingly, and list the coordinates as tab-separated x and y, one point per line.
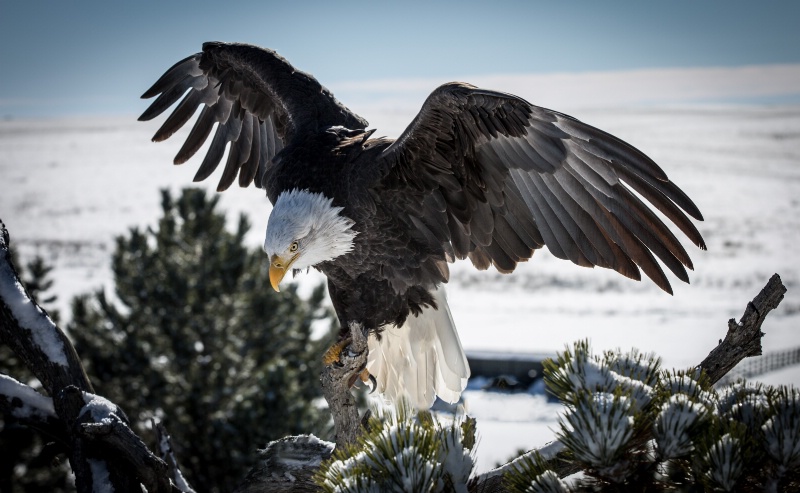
91	57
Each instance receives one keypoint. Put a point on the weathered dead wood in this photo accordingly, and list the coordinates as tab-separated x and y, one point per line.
744	338
337	380
287	466
31	409
45	350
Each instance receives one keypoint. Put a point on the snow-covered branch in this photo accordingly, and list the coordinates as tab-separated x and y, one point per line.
86	424
100	421
30	408
31	333
168	456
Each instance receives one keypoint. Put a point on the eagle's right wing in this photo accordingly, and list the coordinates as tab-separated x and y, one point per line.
492	177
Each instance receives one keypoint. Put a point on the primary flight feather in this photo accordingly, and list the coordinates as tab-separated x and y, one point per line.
478	174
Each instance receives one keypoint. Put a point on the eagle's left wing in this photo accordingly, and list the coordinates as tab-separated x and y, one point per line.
257	100
494	178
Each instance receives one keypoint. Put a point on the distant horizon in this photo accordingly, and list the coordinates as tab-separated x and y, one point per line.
750	85
95	57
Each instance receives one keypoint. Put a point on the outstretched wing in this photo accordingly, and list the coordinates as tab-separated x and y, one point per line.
259	102
501	178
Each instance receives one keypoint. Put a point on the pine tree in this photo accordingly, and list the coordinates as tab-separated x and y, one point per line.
197	339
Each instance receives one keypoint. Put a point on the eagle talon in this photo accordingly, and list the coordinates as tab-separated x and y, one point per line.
365	376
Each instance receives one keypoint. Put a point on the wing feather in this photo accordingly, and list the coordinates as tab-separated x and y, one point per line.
200	132
257	153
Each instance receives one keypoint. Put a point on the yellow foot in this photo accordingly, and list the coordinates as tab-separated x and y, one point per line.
334	352
333	355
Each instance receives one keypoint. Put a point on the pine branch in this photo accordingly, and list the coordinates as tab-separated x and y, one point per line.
743	339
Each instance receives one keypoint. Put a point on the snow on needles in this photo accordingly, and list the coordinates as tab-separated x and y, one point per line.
404	452
782	430
674	426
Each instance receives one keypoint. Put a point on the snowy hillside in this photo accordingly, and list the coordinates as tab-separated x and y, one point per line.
70	186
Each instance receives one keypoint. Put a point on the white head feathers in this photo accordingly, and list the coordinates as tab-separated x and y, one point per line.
312	221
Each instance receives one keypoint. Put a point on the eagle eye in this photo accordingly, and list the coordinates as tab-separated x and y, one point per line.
293	247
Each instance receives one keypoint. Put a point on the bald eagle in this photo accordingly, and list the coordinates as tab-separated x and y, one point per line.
477	174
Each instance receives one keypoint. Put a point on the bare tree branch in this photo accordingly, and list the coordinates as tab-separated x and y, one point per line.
31	333
337	381
112	431
31	409
289	464
45	350
744	338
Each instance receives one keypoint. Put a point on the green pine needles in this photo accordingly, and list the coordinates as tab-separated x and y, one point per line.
631	426
403	451
627	425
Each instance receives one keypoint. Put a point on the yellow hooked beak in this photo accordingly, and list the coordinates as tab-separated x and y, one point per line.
278	267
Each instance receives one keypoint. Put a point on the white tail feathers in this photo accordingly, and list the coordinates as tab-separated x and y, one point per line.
422	359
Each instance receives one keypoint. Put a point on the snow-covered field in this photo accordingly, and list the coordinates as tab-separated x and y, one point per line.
69	186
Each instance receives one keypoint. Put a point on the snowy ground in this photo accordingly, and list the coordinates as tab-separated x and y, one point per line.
70	186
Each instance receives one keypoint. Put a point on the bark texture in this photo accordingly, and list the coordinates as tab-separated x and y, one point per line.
337	381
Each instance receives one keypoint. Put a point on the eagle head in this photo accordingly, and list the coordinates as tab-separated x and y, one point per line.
305	229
